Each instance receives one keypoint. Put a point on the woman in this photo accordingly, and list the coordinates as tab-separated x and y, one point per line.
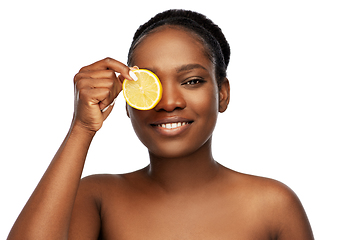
183	193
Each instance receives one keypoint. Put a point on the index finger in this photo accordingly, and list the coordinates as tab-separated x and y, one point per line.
110	64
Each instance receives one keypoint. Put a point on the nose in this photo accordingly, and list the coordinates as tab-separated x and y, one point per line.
172	98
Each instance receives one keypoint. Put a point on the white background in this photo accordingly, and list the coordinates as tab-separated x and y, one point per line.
295	96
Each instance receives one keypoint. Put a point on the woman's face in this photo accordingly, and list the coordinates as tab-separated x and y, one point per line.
185	117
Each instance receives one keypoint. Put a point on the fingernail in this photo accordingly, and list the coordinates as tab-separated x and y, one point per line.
134	67
133	76
113	102
106	108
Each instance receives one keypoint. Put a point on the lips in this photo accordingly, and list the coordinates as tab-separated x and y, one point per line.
172	125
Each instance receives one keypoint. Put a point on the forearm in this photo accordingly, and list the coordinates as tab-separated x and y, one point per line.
48	211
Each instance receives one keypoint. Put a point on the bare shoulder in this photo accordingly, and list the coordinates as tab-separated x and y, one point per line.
97	180
100	183
105	188
86	215
92	186
97	196
269	189
278	205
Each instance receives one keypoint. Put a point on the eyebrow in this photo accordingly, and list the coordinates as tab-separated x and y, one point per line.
188	67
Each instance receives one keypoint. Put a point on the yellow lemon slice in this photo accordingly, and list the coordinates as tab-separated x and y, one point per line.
144	93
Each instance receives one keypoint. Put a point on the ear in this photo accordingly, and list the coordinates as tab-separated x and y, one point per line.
224	95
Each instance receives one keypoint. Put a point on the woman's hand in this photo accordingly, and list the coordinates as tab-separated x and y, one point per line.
50	206
96	88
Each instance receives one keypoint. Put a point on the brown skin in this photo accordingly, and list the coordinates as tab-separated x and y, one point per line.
183	193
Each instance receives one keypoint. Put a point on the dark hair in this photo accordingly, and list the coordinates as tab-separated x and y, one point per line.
208	32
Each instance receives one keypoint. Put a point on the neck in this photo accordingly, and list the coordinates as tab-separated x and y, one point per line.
184	173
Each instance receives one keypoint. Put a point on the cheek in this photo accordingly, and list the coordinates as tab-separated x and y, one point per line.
205	103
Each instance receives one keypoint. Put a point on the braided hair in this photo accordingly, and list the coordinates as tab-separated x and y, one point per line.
208	32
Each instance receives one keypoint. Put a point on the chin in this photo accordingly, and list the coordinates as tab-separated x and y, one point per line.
174	149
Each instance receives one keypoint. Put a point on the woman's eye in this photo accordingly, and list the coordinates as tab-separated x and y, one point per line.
193	82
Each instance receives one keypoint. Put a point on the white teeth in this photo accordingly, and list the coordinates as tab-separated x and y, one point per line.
172	125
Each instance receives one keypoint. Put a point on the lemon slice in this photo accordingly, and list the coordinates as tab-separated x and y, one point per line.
144	93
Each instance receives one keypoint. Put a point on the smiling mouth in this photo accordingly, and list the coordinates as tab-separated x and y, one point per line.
172	125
